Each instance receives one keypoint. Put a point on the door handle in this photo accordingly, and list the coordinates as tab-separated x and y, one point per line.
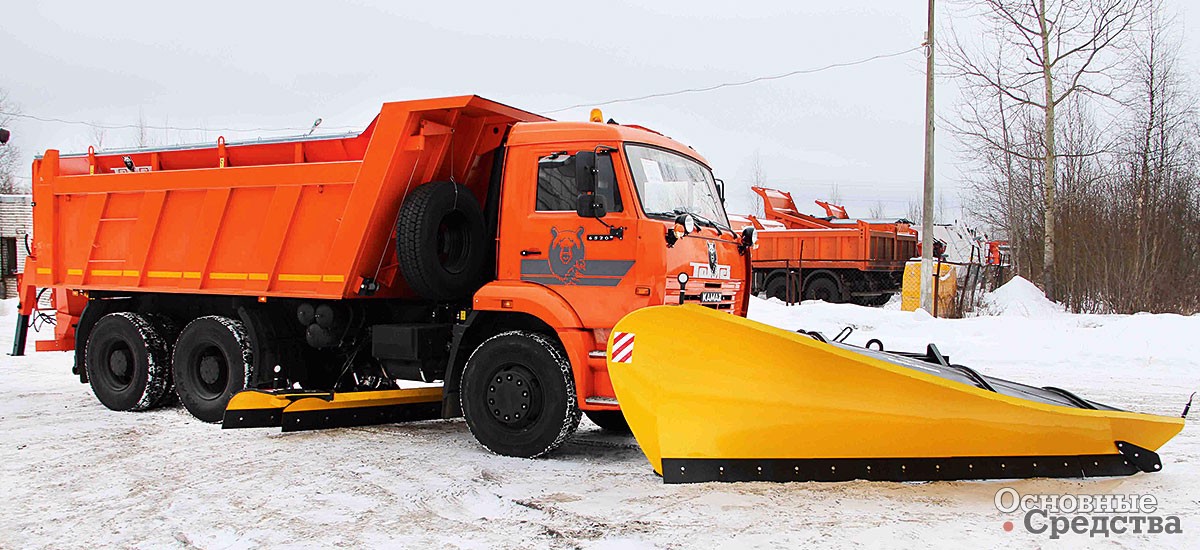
531	252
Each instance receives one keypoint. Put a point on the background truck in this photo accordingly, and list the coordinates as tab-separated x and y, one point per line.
835	259
455	240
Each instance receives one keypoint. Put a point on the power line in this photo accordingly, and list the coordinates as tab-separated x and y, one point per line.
178	128
741	83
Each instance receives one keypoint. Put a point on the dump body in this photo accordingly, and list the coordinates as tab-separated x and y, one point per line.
305	217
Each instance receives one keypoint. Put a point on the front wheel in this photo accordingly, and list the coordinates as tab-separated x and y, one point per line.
518	395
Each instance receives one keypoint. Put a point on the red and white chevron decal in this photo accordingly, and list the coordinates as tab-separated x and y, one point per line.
622	349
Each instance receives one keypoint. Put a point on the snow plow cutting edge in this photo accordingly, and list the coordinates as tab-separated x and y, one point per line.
831	412
294	410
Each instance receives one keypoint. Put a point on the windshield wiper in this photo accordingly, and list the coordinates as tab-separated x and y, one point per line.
699	219
709	222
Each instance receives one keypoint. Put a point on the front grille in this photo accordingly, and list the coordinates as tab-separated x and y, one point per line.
696	291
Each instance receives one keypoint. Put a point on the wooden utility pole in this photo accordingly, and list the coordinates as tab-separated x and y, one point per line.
927	274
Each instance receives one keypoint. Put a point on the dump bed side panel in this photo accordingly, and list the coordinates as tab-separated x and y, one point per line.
300	218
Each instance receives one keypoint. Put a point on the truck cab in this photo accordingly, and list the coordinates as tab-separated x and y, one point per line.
597	220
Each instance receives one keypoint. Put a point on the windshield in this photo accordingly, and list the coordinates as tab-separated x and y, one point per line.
670	184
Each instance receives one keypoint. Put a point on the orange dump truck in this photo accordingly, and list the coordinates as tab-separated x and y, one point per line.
835	259
454	240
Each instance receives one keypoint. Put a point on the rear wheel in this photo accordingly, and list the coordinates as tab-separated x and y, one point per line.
127	362
873	301
824	289
169	330
212	361
610	421
518	395
777	287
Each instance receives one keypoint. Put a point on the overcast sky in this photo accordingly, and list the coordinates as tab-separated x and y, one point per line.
226	66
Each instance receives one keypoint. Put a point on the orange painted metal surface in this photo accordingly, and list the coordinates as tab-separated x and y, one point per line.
796	239
304	217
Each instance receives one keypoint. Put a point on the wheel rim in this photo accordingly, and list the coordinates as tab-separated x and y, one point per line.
514	397
453	242
211	372
119	365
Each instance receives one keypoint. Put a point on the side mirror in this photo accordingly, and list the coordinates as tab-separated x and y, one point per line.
587	206
593	171
4	135
720	189
585	172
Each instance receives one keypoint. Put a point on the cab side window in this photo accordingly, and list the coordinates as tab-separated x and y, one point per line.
556	185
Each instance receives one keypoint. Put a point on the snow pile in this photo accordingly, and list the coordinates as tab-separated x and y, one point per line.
1020	298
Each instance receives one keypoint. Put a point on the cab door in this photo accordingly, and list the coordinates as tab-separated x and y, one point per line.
588	261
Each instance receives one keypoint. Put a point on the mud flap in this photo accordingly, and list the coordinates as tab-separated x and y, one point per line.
294	410
785	407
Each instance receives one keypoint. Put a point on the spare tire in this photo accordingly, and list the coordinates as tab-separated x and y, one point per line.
441	242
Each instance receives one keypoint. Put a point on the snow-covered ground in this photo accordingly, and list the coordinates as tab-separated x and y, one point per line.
76	475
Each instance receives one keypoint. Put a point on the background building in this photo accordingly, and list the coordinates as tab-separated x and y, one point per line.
16	221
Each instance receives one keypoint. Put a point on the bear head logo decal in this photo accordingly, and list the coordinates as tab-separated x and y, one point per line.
567	254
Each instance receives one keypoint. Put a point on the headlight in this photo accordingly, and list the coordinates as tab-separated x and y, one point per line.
682	278
684	224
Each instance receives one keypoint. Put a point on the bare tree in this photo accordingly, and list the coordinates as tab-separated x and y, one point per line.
878	210
9	154
1159	196
1125	220
1038	55
835	194
98	135
758	178
141	136
914	212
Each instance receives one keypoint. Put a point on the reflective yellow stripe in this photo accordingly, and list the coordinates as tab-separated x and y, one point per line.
191	274
258	276
299	278
129	273
228	276
43	271
164	274
74	272
106	272
333	278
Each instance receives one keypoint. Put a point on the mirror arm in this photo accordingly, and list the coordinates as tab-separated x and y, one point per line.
618	232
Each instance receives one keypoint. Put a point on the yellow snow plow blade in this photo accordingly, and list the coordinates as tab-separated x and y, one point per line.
295	410
715	397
